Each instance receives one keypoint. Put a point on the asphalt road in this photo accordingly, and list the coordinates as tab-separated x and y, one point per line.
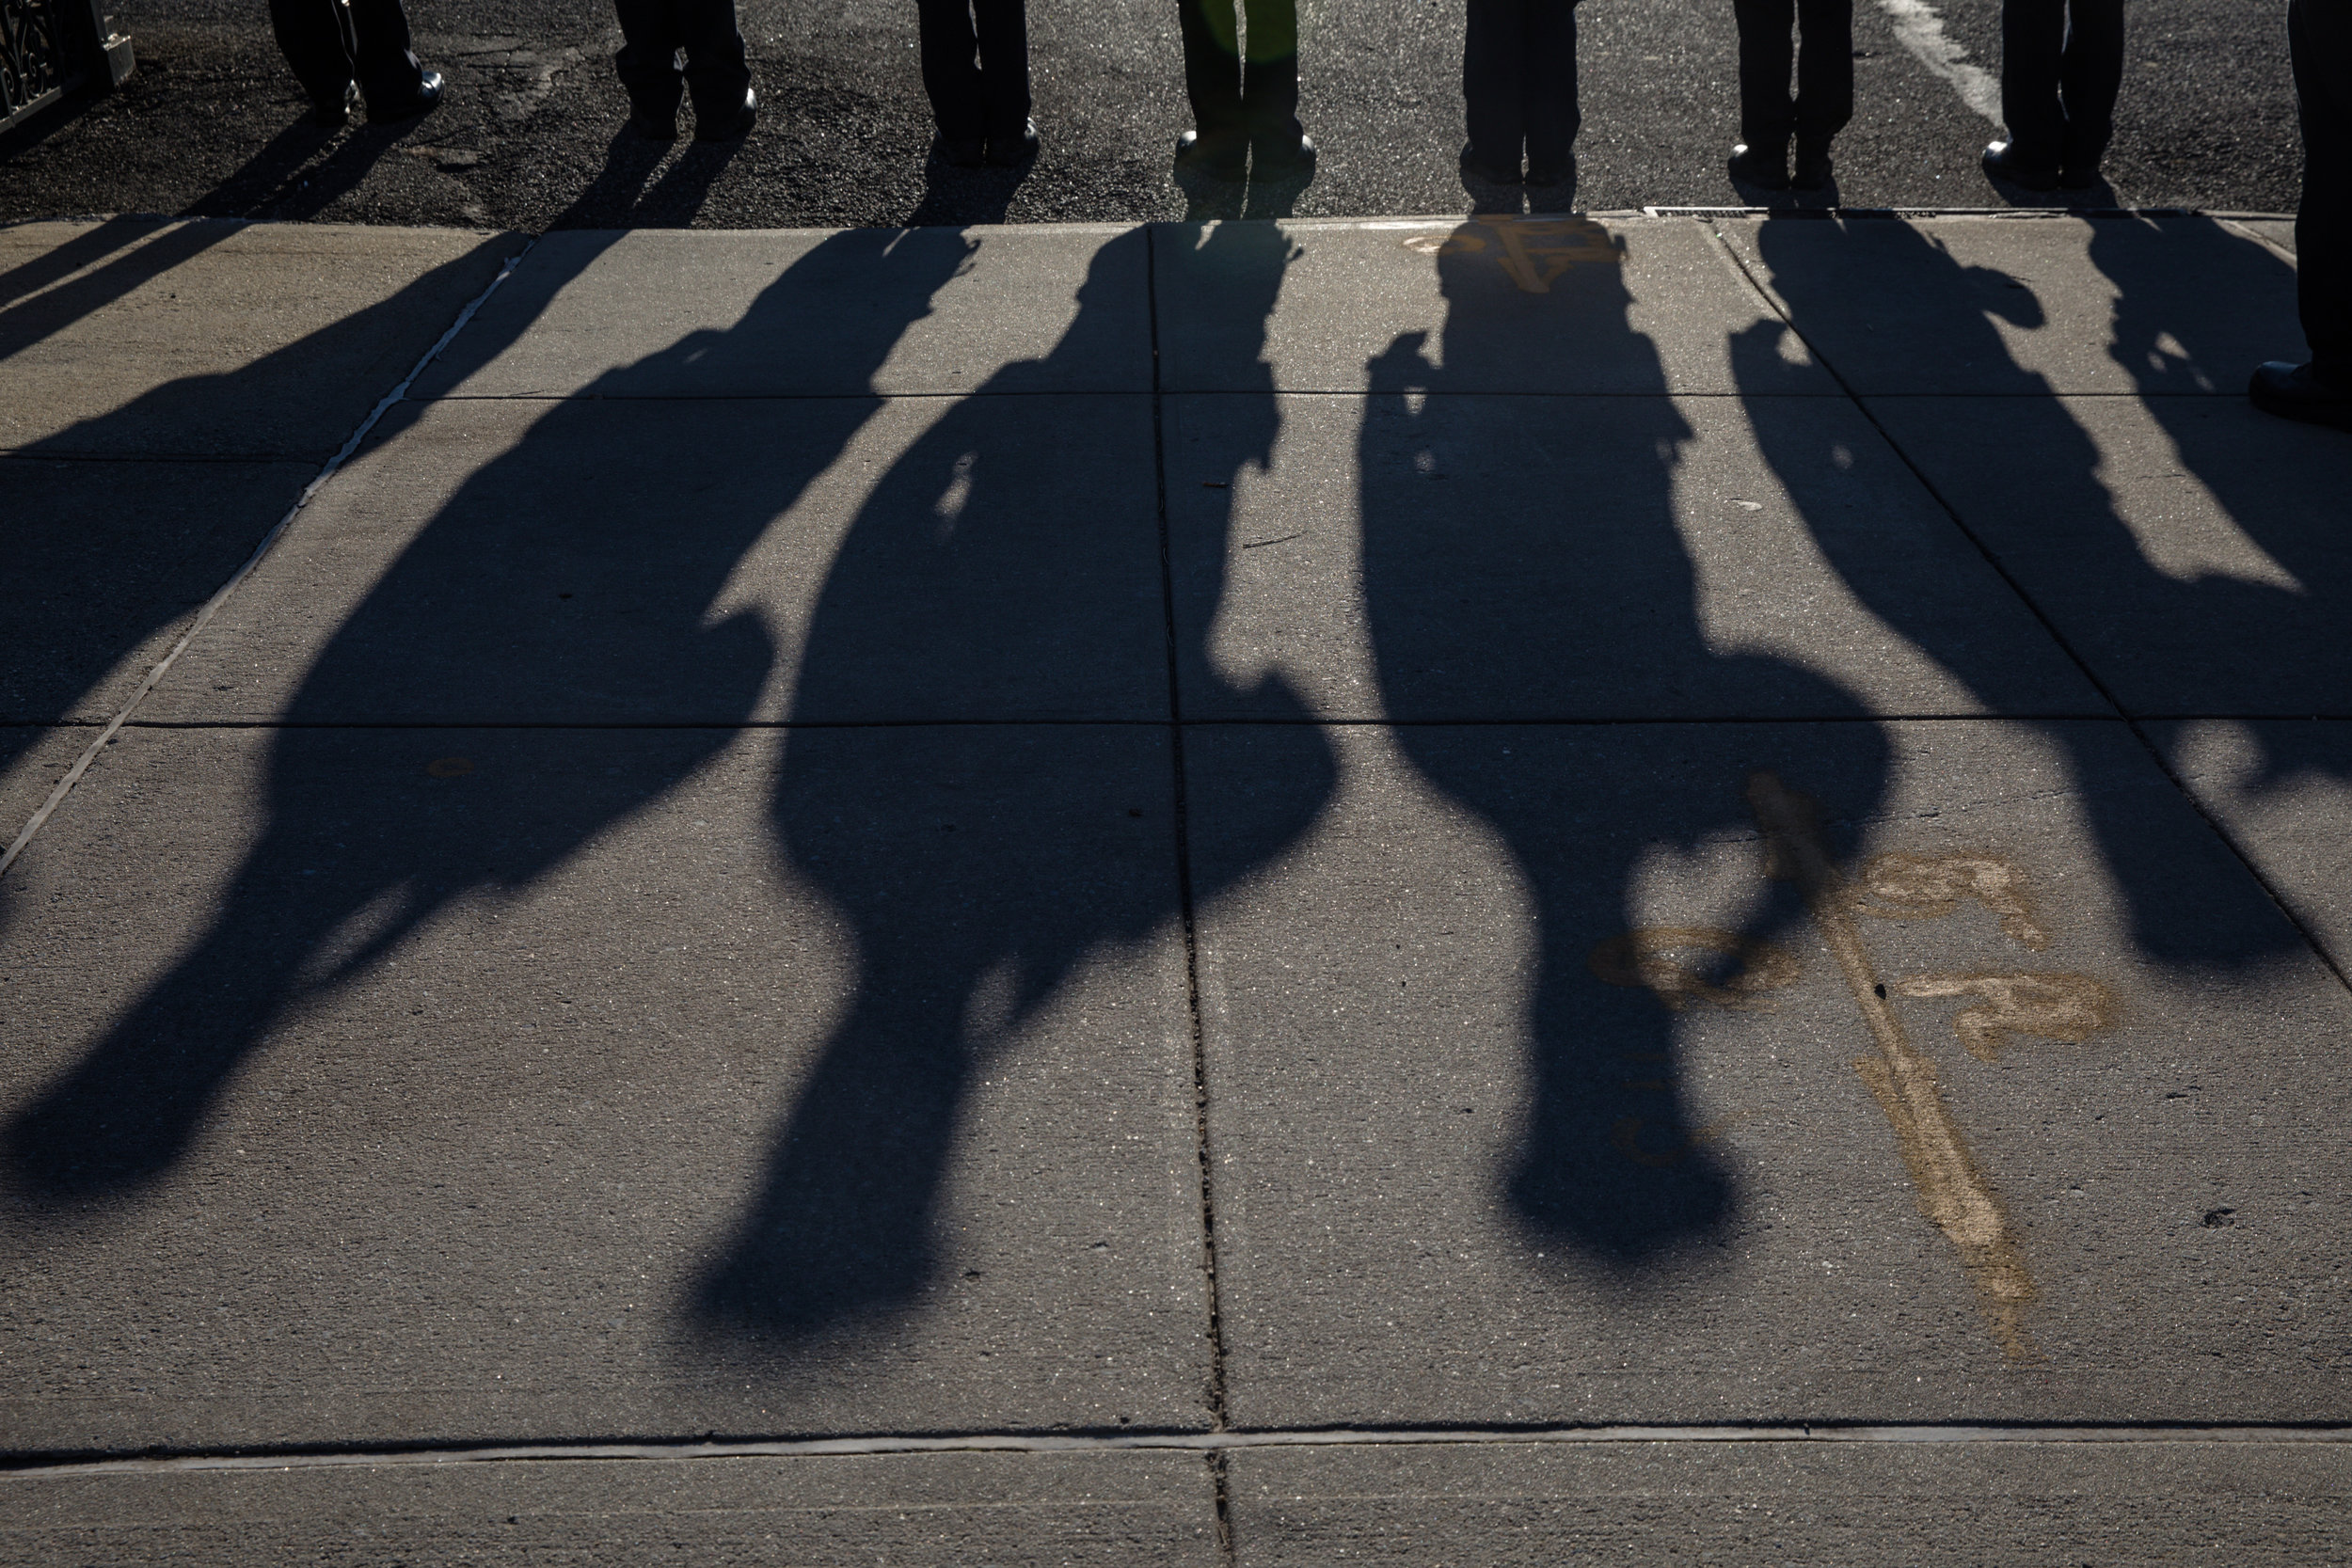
532	138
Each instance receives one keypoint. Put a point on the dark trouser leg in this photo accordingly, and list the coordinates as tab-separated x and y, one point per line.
2033	36
1003	35
1767	50
1269	80
388	71
1824	70
647	62
313	35
2320	33
1547	85
716	71
951	70
2090	72
1212	65
1491	62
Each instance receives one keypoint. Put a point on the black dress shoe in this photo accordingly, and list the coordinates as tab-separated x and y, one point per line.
960	151
1010	151
422	101
1285	154
1544	177
654	124
729	124
2074	178
1485	171
1813	168
1219	157
2002	163
1765	167
2293	392
334	113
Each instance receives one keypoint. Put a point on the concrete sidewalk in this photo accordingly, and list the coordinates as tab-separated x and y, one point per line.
1661	886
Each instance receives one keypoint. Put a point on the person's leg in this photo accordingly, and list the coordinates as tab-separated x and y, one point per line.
2033	36
2320	33
1002	34
951	70
1767	50
1824	71
1491	98
311	33
647	62
389	72
1269	81
1212	66
1548	89
2090	73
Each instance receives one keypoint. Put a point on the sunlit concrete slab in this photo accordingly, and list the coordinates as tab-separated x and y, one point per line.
808	312
1532	1098
2281	788
942	1508
106	563
216	338
1861	1503
2032	306
525	561
1612	304
1487	558
466	1086
2191	551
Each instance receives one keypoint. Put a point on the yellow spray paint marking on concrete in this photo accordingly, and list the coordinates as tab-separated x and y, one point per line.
1645	958
1531	251
1927	887
2068	1007
1952	1192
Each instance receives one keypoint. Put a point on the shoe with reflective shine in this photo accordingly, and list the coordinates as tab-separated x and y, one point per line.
1813	168
335	113
2002	163
427	99
1219	157
732	124
1011	152
1284	152
1765	167
2293	392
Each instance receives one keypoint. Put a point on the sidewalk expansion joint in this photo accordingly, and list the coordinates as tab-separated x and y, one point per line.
236	579
1949	1433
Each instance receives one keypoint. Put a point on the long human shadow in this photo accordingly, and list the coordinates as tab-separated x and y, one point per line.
2079	540
567	578
1522	567
969	861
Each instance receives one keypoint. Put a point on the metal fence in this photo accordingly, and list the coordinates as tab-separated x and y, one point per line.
49	48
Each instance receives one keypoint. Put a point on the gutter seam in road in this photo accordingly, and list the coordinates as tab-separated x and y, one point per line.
212	606
1220	1442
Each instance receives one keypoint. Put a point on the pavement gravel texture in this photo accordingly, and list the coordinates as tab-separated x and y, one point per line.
530	137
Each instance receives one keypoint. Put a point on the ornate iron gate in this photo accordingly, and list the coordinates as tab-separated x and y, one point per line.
48	48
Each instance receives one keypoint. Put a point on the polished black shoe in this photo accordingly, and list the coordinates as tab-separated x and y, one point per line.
1813	168
1219	157
2293	392
1488	172
2076	178
1282	156
731	124
334	113
653	124
1012	150
1765	167
427	99
960	151
2001	162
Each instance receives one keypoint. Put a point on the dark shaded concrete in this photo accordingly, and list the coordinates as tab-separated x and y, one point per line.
1859	1503
1012	1508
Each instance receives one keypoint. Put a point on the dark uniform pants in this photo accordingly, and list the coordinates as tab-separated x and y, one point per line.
653	32
1824	69
331	45
2062	66
2320	33
1519	82
1229	96
976	65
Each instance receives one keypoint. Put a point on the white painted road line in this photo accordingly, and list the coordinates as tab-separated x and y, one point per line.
1921	31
